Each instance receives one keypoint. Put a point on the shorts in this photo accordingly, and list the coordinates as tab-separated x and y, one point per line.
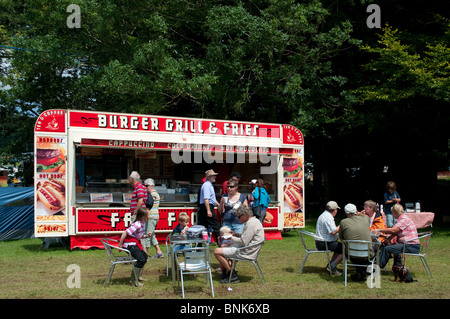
229	252
238	228
334	246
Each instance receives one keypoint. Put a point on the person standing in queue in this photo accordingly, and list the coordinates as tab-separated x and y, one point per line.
228	205
261	199
139	195
153	218
206	214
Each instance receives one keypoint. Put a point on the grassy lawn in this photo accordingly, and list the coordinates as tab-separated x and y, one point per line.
29	271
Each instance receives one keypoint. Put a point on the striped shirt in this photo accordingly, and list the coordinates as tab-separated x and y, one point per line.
135	231
139	191
408	230
154	212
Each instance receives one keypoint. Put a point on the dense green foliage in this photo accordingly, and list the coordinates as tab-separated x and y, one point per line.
314	64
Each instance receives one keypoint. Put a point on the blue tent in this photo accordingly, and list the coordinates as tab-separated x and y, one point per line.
16	222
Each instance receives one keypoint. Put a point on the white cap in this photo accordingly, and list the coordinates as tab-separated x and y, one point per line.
350	209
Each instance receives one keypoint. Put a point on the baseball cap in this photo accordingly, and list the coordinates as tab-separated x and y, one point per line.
332	205
350	209
210	172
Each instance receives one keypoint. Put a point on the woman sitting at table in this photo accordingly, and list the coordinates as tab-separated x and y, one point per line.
405	230
375	218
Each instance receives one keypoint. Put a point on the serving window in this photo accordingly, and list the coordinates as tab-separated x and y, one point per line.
102	173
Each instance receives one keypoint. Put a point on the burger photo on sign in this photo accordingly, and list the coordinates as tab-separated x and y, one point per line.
292	166
50	157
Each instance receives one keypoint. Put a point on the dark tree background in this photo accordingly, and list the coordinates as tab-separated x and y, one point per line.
364	98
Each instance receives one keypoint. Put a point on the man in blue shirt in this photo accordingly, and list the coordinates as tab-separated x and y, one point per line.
206	214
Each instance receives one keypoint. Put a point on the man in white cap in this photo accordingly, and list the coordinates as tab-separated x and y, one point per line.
206	214
326	228
356	227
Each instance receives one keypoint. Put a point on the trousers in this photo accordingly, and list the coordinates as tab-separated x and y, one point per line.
139	255
386	251
206	221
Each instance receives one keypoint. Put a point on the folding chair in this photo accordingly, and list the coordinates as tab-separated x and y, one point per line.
359	249
168	253
192	261
313	250
424	244
254	261
116	256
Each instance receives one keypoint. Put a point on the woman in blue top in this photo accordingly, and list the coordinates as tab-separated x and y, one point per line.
229	203
261	199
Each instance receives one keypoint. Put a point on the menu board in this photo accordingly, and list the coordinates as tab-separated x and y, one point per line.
50	207
293	190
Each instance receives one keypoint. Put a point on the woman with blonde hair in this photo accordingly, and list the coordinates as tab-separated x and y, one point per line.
405	230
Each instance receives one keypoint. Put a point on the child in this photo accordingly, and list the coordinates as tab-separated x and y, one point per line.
391	197
182	227
183	224
225	236
131	240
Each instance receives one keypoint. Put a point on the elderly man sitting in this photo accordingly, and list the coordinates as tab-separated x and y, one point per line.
356	227
253	232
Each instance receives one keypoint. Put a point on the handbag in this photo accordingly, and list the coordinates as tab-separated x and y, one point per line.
257	211
149	201
195	231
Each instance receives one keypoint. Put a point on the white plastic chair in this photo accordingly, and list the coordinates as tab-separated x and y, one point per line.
254	261
116	256
312	250
359	249
192	261
424	244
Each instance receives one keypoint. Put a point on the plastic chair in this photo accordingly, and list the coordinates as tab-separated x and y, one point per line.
312	250
424	244
254	261
192	261
116	255
359	249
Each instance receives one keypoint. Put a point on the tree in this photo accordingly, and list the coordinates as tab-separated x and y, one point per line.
259	60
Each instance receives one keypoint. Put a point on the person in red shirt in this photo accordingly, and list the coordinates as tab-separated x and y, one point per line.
139	195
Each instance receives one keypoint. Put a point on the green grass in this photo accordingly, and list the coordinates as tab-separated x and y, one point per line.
29	271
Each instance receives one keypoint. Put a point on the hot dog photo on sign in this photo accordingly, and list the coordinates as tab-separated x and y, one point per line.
293	182
50	188
50	197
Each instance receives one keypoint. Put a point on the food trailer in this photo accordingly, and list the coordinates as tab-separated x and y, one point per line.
83	160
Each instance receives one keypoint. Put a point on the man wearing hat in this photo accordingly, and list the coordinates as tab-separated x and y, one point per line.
356	227
326	229
206	214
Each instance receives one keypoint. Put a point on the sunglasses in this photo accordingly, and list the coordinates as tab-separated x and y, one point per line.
231	186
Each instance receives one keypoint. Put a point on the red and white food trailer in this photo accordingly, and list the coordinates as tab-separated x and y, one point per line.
83	160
